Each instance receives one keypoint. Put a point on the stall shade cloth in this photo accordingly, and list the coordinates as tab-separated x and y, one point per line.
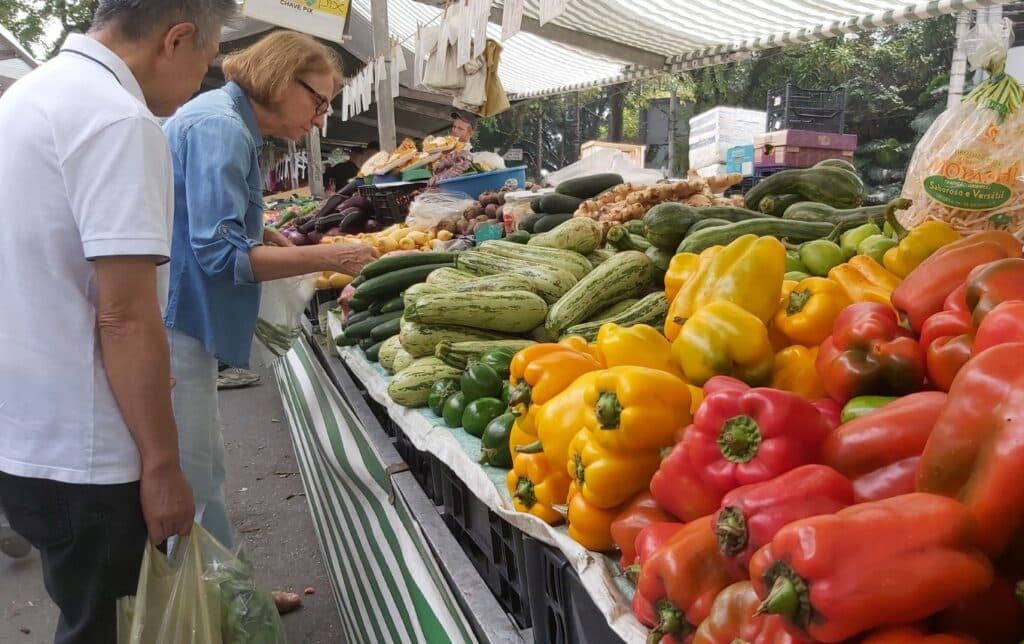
386	582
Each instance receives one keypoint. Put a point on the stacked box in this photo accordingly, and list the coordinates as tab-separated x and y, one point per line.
714	132
801	148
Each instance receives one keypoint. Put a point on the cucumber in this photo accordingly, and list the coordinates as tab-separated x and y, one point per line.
459	354
343	340
792	231
579	234
548	222
554	203
651	310
411	386
420	340
567	260
628	274
387	265
846	219
385	330
507	282
589	186
366	343
666	224
502	311
363	328
518	237
355	318
388	351
707	223
394	304
529	221
775	205
390	284
417	290
447	277
375	307
373	353
359	304
359	279
613	310
834	186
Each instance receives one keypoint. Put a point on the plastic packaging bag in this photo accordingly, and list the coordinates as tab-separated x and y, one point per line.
967	170
605	160
282	307
431	210
201	594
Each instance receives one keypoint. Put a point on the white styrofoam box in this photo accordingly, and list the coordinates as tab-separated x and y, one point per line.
712	170
721	122
747	169
711	153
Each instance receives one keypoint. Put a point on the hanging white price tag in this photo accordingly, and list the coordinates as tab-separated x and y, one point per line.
380	71
440	54
551	9
511	18
464	26
397	67
481	16
418	59
346	98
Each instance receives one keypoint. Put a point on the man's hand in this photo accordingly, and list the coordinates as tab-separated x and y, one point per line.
167	504
274	237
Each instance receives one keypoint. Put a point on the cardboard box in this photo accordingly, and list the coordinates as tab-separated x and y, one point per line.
802	148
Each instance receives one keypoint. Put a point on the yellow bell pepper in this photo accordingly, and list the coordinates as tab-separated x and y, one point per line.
536	487
748	272
696	398
635	408
608	477
809	309
794	371
540	372
865	280
580	345
685	269
916	245
639	345
561	418
518	438
723	339
590	526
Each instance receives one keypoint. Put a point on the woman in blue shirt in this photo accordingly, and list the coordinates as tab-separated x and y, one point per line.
220	252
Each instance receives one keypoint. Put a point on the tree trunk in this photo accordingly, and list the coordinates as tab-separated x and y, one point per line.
617	104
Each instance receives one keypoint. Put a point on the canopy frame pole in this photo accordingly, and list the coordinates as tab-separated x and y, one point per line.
385	101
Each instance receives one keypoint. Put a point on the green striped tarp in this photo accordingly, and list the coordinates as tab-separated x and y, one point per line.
385	580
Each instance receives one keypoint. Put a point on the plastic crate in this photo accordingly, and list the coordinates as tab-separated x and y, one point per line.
742	187
390	202
768	170
493	546
790	107
424	466
560	606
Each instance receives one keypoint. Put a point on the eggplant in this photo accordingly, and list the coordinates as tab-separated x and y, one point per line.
352	220
315	237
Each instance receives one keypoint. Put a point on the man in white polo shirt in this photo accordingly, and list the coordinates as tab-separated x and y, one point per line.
88	446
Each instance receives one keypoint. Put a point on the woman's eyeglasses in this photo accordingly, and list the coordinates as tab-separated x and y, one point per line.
323	104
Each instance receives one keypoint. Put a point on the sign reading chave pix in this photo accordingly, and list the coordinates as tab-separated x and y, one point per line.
322	18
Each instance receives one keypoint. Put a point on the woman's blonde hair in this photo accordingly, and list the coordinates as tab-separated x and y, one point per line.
265	68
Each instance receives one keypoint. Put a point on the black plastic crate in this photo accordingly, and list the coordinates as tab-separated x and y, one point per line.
821	110
562	610
766	171
493	545
742	187
423	466
391	204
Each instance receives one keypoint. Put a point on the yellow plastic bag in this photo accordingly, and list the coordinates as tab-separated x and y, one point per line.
201	594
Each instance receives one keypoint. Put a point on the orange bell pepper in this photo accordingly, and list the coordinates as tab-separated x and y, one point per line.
865	280
537	487
809	308
794	371
540	372
589	525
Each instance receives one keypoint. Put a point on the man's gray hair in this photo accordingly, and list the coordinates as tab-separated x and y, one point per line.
136	19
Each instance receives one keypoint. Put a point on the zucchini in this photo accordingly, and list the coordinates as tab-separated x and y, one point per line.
613	310
385	286
420	340
554	203
447	277
579	234
503	311
459	354
651	310
600	256
529	221
541	334
549	222
385	330
411	386
775	205
589	186
837	163
388	351
666	224
834	186
386	265
549	283
566	260
707	223
634	226
627	274
422	288
621	239
518	237
660	259
373	353
402	360
507	282
394	304
793	231
363	328
845	219
479	263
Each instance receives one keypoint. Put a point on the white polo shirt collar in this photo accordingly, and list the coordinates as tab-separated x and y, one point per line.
98	53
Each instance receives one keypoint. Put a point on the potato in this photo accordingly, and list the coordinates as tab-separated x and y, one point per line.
491	210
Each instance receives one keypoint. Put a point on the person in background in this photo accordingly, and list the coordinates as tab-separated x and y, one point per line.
89	460
463	126
341	173
281	86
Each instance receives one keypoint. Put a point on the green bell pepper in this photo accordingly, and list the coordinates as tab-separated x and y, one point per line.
793	262
480	413
795	276
820	256
862	405
480	380
453	410
876	246
494	443
506	393
440	392
851	239
498	359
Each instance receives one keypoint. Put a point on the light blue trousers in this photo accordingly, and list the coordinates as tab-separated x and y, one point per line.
200	439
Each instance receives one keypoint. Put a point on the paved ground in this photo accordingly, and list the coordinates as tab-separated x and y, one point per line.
270	513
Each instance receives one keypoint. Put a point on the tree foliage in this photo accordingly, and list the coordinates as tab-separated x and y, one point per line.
42	25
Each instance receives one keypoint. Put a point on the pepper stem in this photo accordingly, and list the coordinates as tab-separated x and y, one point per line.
670	622
797	301
782	600
608	410
789	597
525	493
533	448
739	439
581	470
890	216
731	530
632	572
519	398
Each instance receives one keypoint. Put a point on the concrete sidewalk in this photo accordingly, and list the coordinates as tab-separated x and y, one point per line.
269	512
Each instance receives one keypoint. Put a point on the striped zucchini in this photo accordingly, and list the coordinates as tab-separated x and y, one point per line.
402	360
420	340
503	311
566	260
388	353
509	282
600	256
411	386
651	310
459	354
550	283
627	274
422	288
480	264
448	277
613	310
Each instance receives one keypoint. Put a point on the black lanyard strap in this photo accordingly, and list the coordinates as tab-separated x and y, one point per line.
95	60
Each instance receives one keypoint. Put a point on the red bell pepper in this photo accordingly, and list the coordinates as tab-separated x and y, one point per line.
880	450
922	293
738	437
734	618
993	616
947	339
648	541
992	284
751	515
869	353
914	635
883	563
953	319
976	449
1004	323
641	512
681	580
830	410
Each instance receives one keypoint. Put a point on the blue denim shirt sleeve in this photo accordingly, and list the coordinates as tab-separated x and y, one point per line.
219	153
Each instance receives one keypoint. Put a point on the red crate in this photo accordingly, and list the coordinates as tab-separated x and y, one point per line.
802	148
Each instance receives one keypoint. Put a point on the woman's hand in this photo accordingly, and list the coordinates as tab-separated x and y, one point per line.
348	258
274	237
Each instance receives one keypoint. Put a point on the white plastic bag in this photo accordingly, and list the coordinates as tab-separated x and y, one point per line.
431	210
282	309
605	160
